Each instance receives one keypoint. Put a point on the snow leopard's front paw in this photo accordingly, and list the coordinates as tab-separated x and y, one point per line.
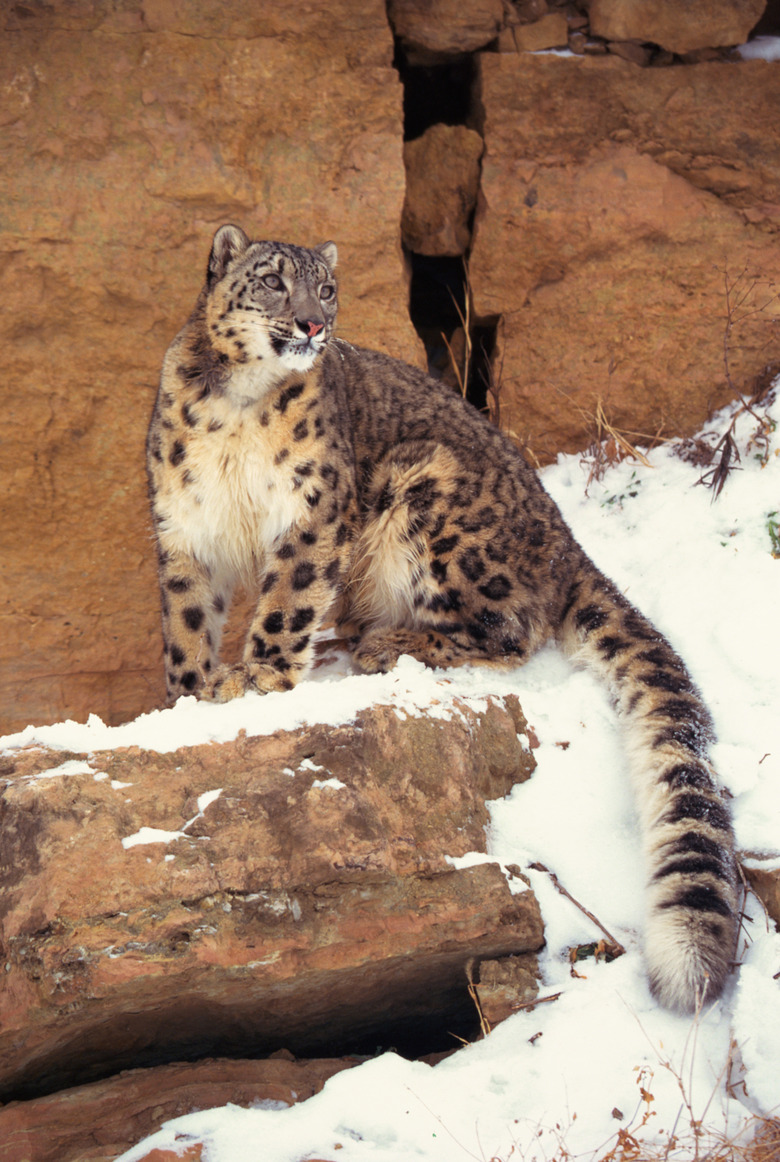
379	650
228	682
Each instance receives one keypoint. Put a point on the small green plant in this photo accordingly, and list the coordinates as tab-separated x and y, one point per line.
631	490
773	528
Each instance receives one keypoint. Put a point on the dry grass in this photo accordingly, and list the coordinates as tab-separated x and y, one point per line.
703	1145
611	444
721	458
690	1140
746	297
637	1141
461	364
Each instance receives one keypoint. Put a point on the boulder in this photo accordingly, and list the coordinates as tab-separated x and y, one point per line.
680	28
446	27
505	986
550	31
129	134
605	242
292	891
442	181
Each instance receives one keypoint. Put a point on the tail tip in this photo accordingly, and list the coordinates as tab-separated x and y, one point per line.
688	963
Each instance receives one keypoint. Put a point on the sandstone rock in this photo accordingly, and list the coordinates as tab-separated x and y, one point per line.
628	50
293	892
442	181
603	243
189	1154
551	31
130	132
95	1123
446	27
505	985
528	11
679	28
764	878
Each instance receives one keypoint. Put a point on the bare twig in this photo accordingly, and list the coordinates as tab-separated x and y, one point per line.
616	948
737	296
484	1023
724	457
519	1006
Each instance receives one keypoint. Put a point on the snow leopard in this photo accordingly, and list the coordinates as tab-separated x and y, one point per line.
351	488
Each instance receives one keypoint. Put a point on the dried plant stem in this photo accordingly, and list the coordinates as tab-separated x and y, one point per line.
462	369
616	948
484	1023
736	296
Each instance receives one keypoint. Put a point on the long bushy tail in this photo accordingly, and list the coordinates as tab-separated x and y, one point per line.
691	927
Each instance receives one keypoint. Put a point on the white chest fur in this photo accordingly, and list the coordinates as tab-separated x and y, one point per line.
228	502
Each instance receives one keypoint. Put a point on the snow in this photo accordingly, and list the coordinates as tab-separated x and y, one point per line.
158	834
150	835
66	770
761	48
602	1057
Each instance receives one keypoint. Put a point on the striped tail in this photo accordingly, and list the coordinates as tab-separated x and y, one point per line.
692	909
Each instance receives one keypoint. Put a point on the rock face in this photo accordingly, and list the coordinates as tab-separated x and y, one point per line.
289	891
128	135
605	242
612	200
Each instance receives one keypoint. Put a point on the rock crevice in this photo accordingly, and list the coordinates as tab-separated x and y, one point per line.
578	245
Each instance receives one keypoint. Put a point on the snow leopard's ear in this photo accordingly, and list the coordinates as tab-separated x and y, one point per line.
229	242
328	253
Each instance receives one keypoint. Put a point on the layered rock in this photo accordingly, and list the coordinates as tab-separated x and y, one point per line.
95	1123
287	891
605	242
129	133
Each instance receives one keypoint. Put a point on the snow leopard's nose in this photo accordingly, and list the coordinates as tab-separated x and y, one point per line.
310	327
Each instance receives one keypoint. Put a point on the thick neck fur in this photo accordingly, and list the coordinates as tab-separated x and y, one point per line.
218	373
246	385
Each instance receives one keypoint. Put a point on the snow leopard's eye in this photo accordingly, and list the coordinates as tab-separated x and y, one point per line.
327	291
273	282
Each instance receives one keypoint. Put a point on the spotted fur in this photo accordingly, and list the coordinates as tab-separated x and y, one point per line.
346	483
